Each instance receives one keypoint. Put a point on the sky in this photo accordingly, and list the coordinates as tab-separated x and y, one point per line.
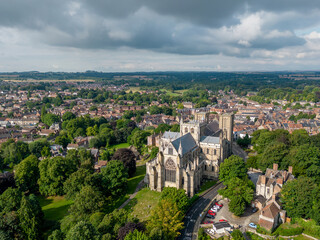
159	35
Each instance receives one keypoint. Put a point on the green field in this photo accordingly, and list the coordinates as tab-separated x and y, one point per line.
142	204
54	208
121	145
138	176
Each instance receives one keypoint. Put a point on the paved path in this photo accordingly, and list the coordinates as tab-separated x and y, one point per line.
140	185
191	222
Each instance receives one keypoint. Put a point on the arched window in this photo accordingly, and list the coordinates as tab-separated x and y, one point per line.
192	130
186	130
170	171
215	151
205	167
212	168
208	151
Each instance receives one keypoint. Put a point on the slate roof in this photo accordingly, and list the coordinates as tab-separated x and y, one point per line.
187	143
209	139
171	135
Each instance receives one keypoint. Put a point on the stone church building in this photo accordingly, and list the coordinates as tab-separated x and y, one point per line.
185	158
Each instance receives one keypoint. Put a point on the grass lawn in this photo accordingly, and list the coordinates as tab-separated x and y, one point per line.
206	186
54	208
138	176
133	89
121	145
142	204
310	227
254	236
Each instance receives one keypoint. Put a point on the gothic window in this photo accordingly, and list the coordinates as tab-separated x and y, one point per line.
192	130
170	151
205	167
212	168
186	130
170	171
182	180
207	150
215	152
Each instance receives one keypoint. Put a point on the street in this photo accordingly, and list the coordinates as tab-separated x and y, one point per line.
190	221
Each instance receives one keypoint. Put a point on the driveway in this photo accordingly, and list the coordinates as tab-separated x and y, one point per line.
244	220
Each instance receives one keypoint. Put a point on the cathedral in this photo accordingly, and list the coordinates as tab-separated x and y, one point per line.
185	158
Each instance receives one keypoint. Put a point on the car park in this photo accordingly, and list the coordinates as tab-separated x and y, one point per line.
252	225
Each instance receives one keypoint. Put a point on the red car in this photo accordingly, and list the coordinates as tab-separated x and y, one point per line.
207	222
211	213
220	205
223	220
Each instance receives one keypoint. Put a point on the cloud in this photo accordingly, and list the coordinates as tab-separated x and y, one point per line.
237	29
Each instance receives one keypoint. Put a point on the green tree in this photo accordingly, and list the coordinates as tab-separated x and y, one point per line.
297	197
67	116
240	192
53	173
167	217
62	140
56	235
237	235
76	181
36	147
86	202
82	231
136	235
114	178
127	157
27	174
10	200
177	196
273	153
232	167
51	118
28	220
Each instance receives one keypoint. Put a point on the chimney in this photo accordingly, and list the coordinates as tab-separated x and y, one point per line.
263	179
280	181
275	166
290	169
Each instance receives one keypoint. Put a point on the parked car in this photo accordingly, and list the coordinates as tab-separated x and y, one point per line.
211	213
223	220
220	205
252	225
213	210
207	222
210	216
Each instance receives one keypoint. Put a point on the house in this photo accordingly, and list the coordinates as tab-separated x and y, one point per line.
271	183
221	227
272	215
100	164
153	140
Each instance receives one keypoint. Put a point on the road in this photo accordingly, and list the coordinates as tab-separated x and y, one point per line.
191	222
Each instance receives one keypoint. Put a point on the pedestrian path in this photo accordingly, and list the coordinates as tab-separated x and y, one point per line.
141	184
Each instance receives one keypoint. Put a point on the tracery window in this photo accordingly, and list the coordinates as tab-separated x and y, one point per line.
170	171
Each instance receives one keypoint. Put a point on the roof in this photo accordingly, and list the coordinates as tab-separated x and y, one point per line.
220	225
171	135
209	139
187	143
270	211
265	224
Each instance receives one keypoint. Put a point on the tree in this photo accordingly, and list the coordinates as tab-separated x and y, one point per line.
129	228
10	200
297	197
27	174
175	128
240	192
127	157
82	231
86	202
13	152
112	222
114	178
36	147
237	235
177	196
136	235
67	116
62	140
162	127
51	118
166	217
6	181
53	173
28	220
138	138
76	181
273	153
56	235
232	167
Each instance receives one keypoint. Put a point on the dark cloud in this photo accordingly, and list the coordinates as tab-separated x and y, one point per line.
180	26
